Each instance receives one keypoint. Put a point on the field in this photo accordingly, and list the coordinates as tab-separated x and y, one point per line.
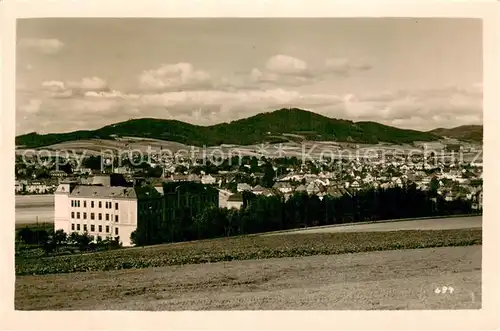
402	279
31	209
445	223
245	248
314	149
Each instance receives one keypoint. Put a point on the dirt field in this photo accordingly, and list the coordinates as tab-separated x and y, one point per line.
469	222
403	279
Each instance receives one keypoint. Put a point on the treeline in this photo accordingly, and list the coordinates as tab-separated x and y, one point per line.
52	242
262	214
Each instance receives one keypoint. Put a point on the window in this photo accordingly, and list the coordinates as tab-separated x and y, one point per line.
78	227
100	217
73	227
85	204
91	204
92	216
100	228
84	216
78	215
72	204
72	214
116	205
92	227
116	231
85	227
100	204
107	217
107	228
78	202
116	218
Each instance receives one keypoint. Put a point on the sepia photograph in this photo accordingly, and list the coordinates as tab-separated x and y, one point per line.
242	164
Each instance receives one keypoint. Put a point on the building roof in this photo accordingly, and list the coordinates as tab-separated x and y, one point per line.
243	186
93	191
300	188
278	185
258	188
236	197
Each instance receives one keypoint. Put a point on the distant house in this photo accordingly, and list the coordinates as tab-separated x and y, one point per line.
314	188
58	173
235	201
179	178
83	171
267	192
258	190
37	187
243	187
355	185
301	188
477	200
283	187
333	192
194	178
208	180
123	170
19	186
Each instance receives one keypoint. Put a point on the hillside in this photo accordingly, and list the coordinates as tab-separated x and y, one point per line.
465	132
265	127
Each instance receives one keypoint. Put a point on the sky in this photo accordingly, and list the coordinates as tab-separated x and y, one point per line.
85	73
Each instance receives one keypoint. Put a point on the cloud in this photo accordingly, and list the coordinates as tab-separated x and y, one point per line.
60	89
259	77
344	66
174	76
281	70
421	109
286	65
89	84
54	85
32	107
285	70
44	46
184	93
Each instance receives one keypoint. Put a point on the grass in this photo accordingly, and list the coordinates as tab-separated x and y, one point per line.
36	226
246	248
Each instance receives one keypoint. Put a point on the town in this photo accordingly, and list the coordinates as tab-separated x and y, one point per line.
452	177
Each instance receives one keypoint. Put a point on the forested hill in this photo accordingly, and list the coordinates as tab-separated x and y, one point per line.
277	126
464	132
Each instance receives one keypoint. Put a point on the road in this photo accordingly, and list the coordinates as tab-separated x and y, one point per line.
419	224
399	279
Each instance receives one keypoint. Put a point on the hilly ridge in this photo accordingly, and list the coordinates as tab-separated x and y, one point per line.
265	127
464	132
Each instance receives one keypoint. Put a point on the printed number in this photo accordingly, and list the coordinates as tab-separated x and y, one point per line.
444	290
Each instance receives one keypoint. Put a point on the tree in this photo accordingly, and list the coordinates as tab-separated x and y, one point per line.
26	235
83	241
269	175
92	162
434	186
60	237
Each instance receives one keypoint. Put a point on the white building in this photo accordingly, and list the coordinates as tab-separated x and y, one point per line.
208	179
104	211
283	187
37	187
235	201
